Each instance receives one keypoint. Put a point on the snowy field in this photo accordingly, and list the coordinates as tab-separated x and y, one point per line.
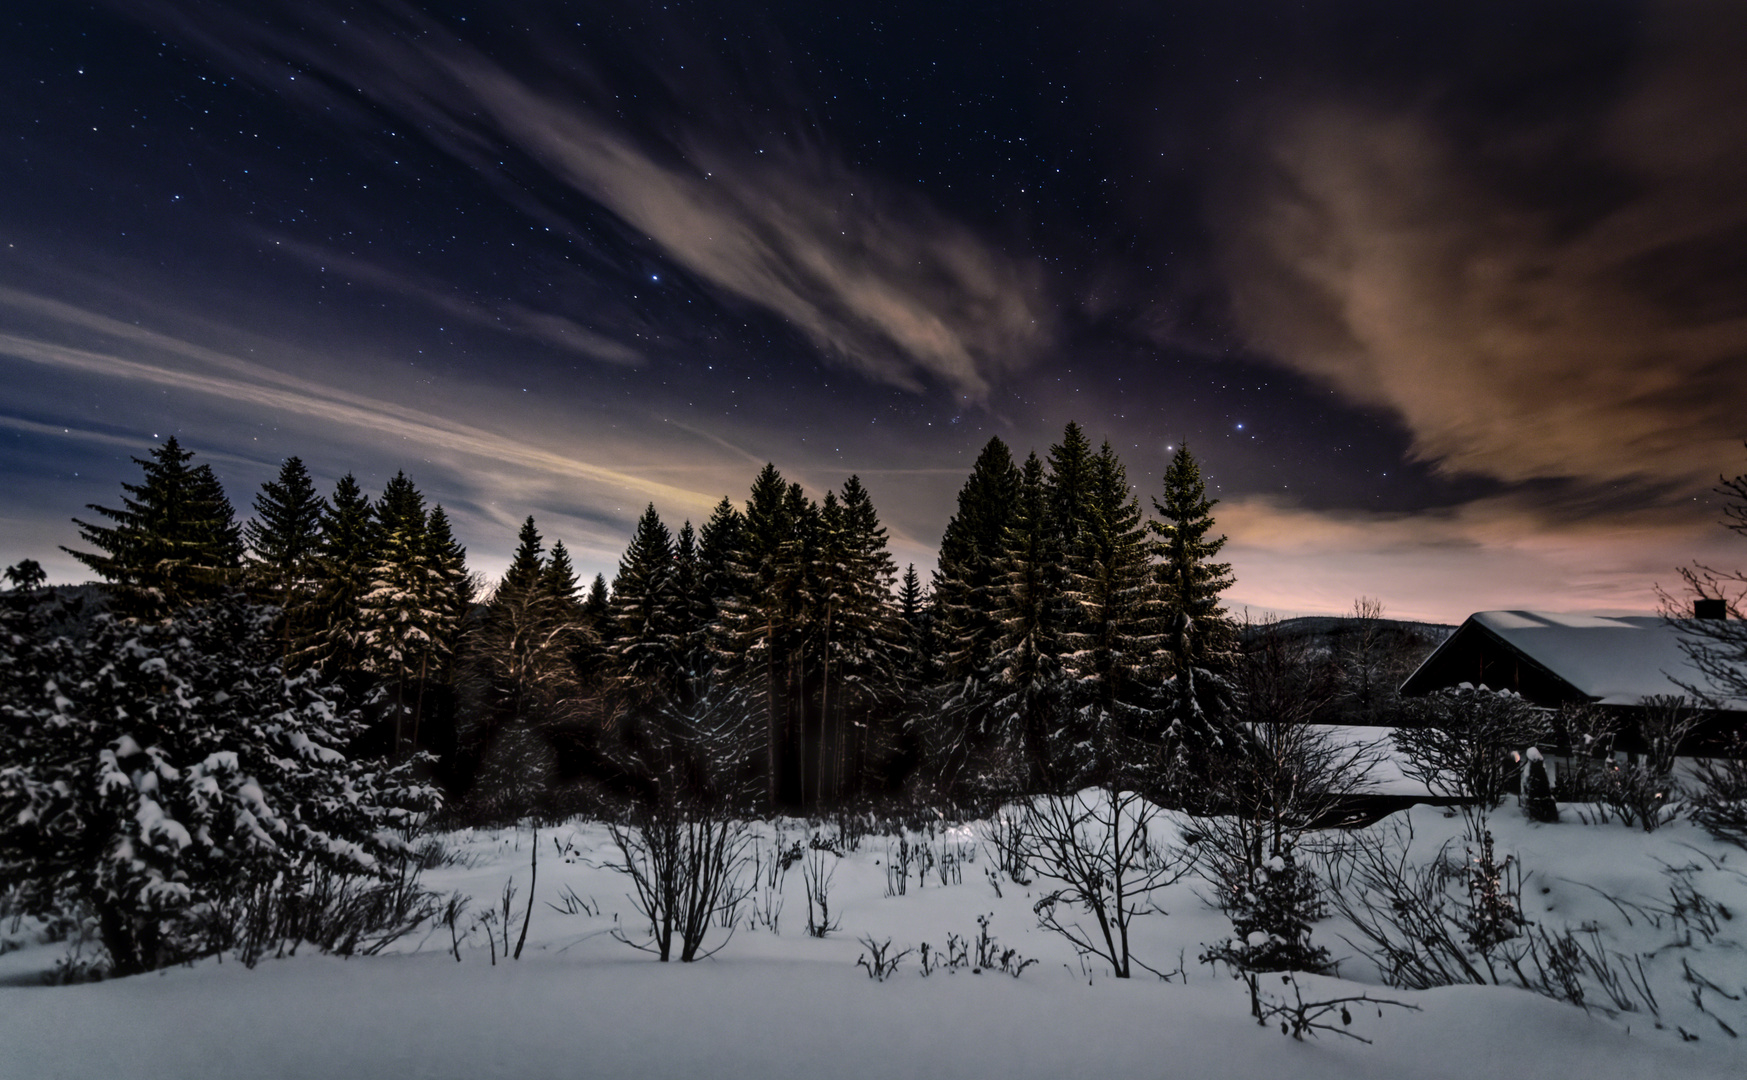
776	1004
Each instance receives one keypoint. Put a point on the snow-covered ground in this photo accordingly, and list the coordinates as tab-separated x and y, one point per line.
580	1003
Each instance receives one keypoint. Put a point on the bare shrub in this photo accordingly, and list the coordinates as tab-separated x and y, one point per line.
1452	922
685	860
1720	800
816	875
1640	790
879	961
1095	855
1299	1017
1003	838
1441	923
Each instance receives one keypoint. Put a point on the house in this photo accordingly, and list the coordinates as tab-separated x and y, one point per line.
1553	660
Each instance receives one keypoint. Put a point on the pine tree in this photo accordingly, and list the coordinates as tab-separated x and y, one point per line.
757	618
455	588
719	578
718	545
1114	620
174	541
912	610
965	616
528	563
1200	638
1028	682
966	584
559	581
345	558
403	611
594	608
647	646
869	640
1072	480
285	535
523	663
284	540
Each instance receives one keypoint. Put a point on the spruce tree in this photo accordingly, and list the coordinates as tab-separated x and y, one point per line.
758	617
718	545
594	608
965	613
345	559
1071	490
1027	679
403	612
173	542
647	646
285	535
1199	638
559	580
1114	619
515	635
528	562
869	640
966	584
455	587
284	541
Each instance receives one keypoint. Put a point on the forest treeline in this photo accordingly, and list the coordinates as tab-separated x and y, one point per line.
773	655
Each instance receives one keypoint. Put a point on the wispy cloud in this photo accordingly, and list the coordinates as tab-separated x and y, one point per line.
1517	335
887	285
879	279
193	368
508	316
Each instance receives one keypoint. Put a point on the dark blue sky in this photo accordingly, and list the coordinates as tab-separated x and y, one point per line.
1448	298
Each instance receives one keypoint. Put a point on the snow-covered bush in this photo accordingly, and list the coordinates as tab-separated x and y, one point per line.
171	780
1538	801
1461	741
1271	916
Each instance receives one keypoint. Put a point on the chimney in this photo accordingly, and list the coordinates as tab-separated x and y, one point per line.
1709	608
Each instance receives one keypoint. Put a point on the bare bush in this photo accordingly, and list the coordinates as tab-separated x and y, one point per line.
816	875
1441	923
1096	855
1299	1017
686	861
1451	922
1003	838
1720	801
879	961
1640	790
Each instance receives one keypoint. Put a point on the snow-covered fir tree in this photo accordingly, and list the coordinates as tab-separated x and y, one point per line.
170	779
406	611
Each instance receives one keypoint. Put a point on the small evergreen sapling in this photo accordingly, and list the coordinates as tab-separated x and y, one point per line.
1271	919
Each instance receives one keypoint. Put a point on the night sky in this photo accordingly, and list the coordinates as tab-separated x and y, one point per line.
1449	299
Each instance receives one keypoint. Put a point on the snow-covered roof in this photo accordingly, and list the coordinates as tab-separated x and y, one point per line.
1612	660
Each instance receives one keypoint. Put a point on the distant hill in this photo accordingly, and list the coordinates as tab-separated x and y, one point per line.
1366	659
